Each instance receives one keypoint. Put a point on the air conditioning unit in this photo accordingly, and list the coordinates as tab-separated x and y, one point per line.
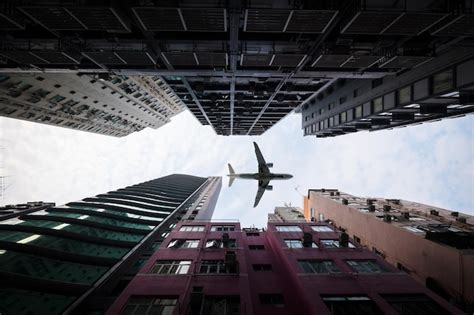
371	208
406	215
345	201
434	212
387	218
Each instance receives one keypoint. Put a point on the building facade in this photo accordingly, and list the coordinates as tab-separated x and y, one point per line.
114	105
286	214
217	268
435	89
75	258
435	246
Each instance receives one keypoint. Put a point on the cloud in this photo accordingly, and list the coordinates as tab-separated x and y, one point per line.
430	163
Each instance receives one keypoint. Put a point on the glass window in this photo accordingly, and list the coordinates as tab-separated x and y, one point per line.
404	95
192	228
377	105
365	266
358	111
148	305
340	305
275	300
221	305
262	267
256	247
288	228
231	243
57	99
321	228
443	81
212	266
318	266
183	244
164	267
413	304
343	117
222	228
294	243
333	244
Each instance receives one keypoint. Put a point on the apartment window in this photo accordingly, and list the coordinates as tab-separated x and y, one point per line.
262	267
165	234
356	239
220	305
183	244
192	228
274	300
288	228
39	78
404	95
321	228
403	268
413	304
222	228
343	117
169	267
413	229
358	111
256	247
144	305
376	251
365	266
231	243
377	105
212	266
443	81
334	244
341	305
318	266
294	243
342	100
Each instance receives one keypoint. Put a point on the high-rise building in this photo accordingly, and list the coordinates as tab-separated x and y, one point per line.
437	88
241	66
433	245
286	214
215	268
105	104
75	258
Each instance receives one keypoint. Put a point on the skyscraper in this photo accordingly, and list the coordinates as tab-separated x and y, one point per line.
286	214
114	105
433	245
77	257
216	268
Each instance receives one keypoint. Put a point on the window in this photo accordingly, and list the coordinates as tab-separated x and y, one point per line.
343	117
365	266
443	81
376	251
377	105
340	305
165	234
231	243
356	239
403	268
262	267
192	228
144	305
294	243
169	267
288	228
321	228
212	266
318	266
404	95
184	244
413	304
334	244
256	247
413	229
222	228
358	111
275	300
252	234
220	305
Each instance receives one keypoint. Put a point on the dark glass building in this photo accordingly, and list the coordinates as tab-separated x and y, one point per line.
75	258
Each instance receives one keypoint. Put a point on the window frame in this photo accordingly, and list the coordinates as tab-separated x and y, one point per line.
179	264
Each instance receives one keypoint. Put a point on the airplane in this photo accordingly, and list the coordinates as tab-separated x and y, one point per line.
264	176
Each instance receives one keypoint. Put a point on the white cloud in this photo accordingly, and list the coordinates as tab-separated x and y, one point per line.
430	163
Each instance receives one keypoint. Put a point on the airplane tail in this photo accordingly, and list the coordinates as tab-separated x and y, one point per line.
231	173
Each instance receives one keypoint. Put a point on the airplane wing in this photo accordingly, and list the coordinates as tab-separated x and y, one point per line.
262	184
262	165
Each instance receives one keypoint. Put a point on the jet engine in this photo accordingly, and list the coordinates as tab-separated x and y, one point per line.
269	165
269	187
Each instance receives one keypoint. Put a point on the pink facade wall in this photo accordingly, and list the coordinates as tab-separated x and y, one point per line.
452	268
301	291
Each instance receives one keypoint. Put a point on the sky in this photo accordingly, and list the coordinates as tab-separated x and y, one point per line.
432	163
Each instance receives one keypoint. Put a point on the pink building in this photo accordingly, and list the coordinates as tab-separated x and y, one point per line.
291	268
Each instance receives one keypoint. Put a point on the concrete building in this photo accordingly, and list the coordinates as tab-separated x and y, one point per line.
77	257
105	104
217	268
242	66
435	246
286	214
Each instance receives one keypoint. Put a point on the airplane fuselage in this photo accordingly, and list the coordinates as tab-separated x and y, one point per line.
259	176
